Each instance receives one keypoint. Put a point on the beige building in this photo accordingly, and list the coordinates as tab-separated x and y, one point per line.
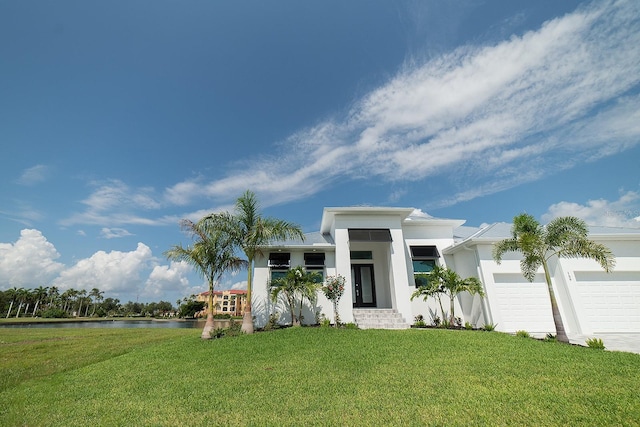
230	301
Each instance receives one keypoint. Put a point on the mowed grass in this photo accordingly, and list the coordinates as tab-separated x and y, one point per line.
309	376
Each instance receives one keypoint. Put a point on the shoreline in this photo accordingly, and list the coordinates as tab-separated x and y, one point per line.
32	320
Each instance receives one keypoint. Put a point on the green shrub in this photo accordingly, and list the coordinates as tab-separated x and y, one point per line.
595	343
272	323
54	313
217	333
234	330
419	321
325	322
550	338
523	334
350	325
222	316
490	327
468	326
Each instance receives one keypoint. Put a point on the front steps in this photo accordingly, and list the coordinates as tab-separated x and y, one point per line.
379	318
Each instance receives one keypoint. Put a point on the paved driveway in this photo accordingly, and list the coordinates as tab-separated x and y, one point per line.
612	341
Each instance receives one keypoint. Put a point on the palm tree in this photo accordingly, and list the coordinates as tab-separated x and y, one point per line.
442	280
296	284
54	294
83	294
40	293
250	231
12	294
562	237
211	255
22	295
96	295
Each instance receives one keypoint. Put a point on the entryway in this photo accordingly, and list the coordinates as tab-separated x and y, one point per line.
363	285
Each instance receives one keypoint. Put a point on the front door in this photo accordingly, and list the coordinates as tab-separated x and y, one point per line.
363	286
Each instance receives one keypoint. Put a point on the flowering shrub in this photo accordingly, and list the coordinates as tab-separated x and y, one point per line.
333	289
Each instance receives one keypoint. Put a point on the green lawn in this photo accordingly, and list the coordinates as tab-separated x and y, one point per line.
309	376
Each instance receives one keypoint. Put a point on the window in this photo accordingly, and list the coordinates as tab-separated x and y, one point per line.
369	235
280	259
314	262
277	273
424	260
279	263
314	259
361	255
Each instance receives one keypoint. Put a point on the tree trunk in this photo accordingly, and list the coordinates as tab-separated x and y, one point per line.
247	321
451	314
10	308
35	308
561	334
208	327
247	318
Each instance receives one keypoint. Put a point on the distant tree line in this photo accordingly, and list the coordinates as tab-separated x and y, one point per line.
50	302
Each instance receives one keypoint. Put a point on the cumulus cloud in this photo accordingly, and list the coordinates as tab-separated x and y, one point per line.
624	212
166	279
117	273
29	262
34	175
493	116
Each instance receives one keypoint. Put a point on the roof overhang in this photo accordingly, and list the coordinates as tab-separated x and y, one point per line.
329	214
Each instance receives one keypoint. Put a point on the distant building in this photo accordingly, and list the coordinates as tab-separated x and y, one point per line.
230	301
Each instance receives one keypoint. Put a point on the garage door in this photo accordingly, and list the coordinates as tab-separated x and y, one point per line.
521	305
610	301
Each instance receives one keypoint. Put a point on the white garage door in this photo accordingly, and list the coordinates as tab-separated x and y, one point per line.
521	305
610	301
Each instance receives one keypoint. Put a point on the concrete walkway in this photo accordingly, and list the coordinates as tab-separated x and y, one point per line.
620	341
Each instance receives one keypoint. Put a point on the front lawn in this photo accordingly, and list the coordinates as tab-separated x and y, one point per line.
310	376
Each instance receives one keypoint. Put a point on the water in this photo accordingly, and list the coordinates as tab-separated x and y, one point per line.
112	324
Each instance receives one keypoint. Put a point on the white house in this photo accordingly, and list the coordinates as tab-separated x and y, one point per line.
379	250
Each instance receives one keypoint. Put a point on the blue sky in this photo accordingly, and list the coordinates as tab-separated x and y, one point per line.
117	119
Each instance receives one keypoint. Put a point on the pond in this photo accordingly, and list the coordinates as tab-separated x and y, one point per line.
110	324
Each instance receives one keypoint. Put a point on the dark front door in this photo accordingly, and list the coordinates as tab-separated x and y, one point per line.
363	286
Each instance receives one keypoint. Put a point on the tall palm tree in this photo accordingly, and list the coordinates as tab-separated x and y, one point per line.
295	285
40	293
54	294
442	280
211	254
563	237
250	231
22	296
96	295
13	295
82	293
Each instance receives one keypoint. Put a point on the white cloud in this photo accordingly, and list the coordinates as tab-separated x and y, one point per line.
117	273
111	233
241	286
29	262
499	115
114	203
168	279
616	213
481	119
34	175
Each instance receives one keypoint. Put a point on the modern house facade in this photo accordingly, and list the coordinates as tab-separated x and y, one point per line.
380	250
